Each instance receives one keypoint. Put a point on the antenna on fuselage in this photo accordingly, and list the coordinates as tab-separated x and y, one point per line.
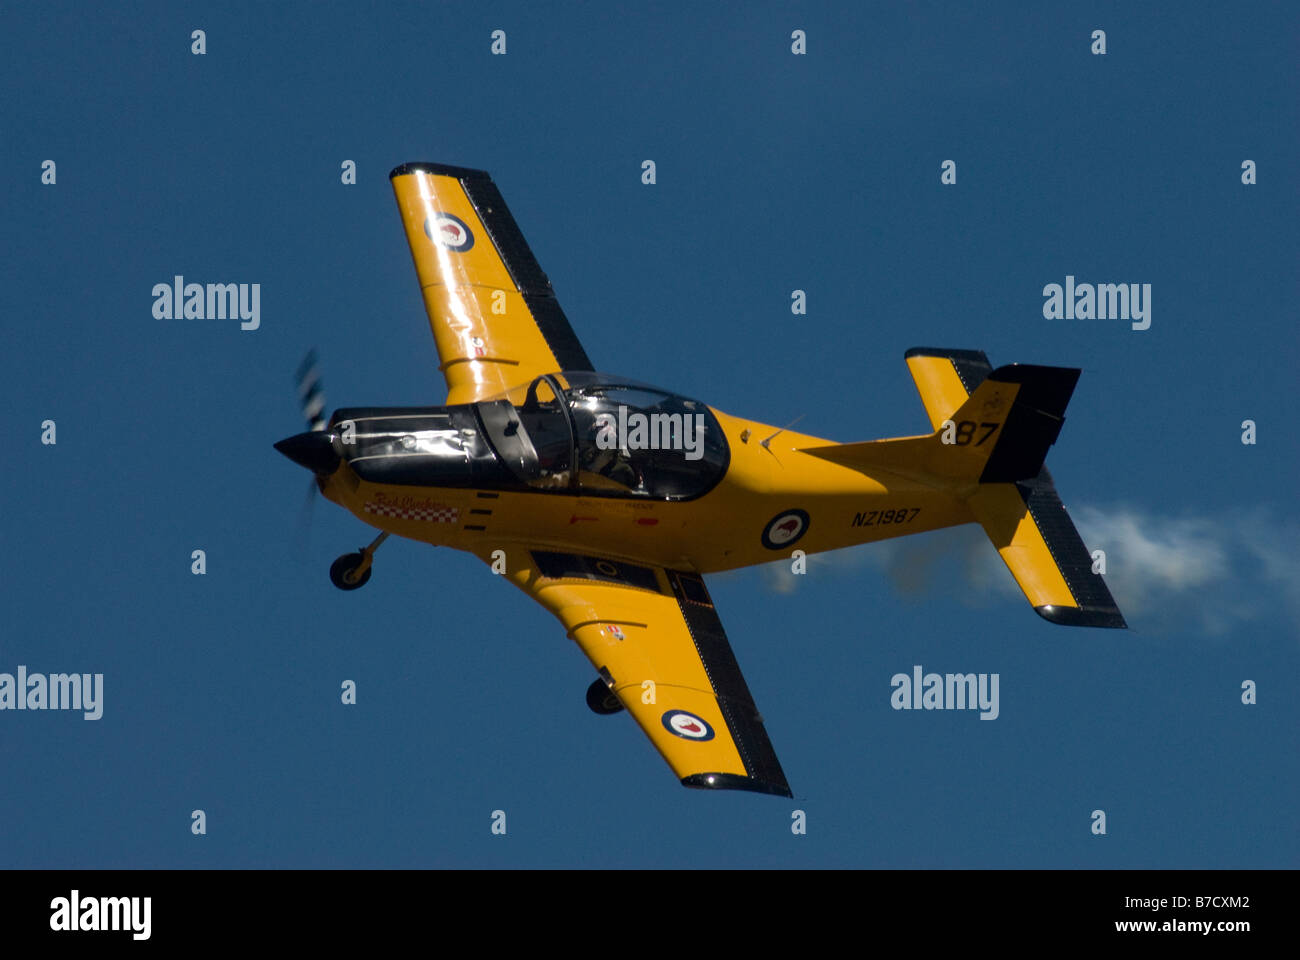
764	442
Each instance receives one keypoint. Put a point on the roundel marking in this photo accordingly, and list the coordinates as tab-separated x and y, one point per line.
450	231
687	725
784	529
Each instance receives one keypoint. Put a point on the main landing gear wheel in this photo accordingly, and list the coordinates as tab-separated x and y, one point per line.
343	571
352	570
601	699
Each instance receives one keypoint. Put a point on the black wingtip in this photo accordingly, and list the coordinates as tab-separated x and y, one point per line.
1110	619
734	781
972	356
440	169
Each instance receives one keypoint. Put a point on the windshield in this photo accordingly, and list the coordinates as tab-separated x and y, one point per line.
627	439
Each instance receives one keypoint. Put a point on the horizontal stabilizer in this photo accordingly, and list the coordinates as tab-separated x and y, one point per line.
1035	537
992	431
945	378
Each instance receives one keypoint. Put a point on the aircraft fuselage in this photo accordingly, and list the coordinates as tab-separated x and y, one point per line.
451	476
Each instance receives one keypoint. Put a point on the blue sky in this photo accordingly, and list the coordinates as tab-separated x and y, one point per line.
775	172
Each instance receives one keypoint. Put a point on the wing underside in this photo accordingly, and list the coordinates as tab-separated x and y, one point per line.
495	319
655	638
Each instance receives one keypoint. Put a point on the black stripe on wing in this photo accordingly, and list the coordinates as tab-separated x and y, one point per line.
734	699
1096	607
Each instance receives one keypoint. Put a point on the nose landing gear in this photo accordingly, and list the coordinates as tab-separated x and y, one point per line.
352	570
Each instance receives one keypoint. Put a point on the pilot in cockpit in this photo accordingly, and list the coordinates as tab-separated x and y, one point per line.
614	461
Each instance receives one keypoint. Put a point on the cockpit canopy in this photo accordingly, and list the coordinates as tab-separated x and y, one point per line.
599	435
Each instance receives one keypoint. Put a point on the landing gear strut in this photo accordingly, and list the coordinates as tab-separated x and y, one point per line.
352	570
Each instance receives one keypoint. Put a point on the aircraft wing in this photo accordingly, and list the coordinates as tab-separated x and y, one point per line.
654	637
495	319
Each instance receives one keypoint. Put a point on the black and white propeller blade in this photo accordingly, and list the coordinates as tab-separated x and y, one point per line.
311	392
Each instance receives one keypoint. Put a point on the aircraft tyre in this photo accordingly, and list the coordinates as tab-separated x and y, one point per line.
344	567
601	699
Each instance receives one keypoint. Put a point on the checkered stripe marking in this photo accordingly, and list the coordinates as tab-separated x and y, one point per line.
428	514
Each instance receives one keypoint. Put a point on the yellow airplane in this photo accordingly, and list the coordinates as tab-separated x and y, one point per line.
607	500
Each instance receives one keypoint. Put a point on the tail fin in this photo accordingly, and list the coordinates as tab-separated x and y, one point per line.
1000	421
998	433
1024	423
1016	502
993	429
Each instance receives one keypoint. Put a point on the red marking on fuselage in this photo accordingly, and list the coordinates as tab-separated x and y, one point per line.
575	518
647	521
790	525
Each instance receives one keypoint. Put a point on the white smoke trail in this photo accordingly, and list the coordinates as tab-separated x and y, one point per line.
1165	572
